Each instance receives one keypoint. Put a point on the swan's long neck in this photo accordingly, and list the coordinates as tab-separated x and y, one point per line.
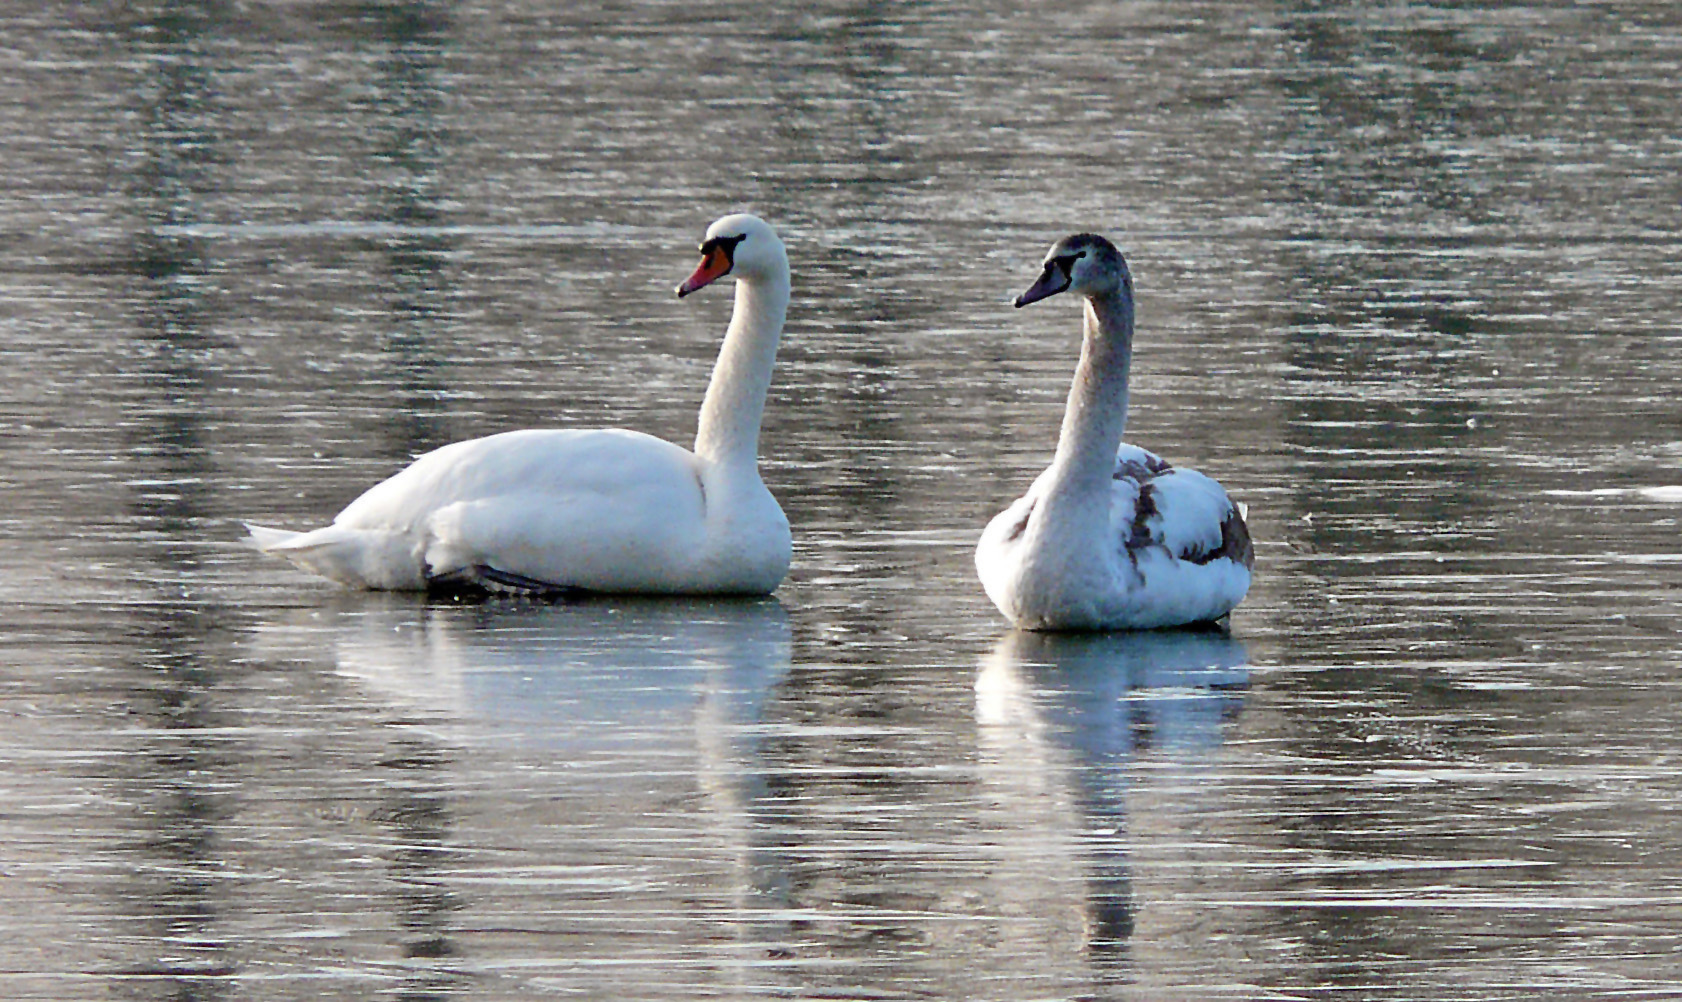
1097	412
728	432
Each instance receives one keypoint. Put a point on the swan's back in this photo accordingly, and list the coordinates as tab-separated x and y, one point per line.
558	467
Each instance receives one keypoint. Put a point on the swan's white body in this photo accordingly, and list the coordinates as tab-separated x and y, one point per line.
605	510
1110	536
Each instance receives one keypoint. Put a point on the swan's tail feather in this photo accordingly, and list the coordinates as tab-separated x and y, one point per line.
266	539
361	558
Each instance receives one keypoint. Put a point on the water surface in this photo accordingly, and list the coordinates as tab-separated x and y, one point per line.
1408	280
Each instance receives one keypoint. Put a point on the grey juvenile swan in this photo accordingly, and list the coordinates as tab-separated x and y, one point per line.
1110	537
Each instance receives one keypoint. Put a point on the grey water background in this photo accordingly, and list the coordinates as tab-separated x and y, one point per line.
1408	279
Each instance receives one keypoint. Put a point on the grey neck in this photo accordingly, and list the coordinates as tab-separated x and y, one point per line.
1096	414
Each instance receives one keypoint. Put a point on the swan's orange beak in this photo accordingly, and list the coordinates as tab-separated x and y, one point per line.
715	264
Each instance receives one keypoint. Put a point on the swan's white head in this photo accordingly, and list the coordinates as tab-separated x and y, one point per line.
741	245
1085	264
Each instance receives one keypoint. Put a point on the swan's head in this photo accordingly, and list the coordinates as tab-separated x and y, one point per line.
1085	264
742	245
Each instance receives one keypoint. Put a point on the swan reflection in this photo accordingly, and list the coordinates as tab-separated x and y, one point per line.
589	769
1073	730
558	674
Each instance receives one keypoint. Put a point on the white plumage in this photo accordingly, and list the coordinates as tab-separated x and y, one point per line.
606	510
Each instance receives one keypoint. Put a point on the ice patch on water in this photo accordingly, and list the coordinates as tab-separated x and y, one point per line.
1669	493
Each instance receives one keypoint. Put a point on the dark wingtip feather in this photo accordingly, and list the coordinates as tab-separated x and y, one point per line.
1235	539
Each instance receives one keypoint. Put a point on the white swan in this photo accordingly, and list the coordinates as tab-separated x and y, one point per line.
603	510
1110	537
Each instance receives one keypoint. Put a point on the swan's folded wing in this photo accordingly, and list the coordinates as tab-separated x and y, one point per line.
1140	464
1183	512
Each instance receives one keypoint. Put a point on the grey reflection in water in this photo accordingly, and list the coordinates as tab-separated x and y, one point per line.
169	179
1064	721
576	777
172	889
409	149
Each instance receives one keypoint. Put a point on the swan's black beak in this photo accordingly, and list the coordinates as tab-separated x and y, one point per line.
1054	279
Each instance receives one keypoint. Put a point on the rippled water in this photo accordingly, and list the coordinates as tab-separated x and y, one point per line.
1408	280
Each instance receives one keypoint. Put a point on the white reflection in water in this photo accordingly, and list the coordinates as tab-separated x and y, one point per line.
599	765
1068	724
555	672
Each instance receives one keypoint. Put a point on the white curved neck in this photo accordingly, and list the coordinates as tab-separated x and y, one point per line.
1096	414
728	432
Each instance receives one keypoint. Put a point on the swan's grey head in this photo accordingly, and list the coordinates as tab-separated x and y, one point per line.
1085	264
742	245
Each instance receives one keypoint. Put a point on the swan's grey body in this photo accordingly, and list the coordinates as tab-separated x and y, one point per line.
1110	536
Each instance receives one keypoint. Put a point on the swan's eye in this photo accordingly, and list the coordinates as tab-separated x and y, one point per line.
727	245
1066	262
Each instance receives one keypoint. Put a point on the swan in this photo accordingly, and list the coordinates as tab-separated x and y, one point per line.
546	511
1110	537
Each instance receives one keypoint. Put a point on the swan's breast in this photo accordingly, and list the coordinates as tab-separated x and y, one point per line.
749	544
1050	561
